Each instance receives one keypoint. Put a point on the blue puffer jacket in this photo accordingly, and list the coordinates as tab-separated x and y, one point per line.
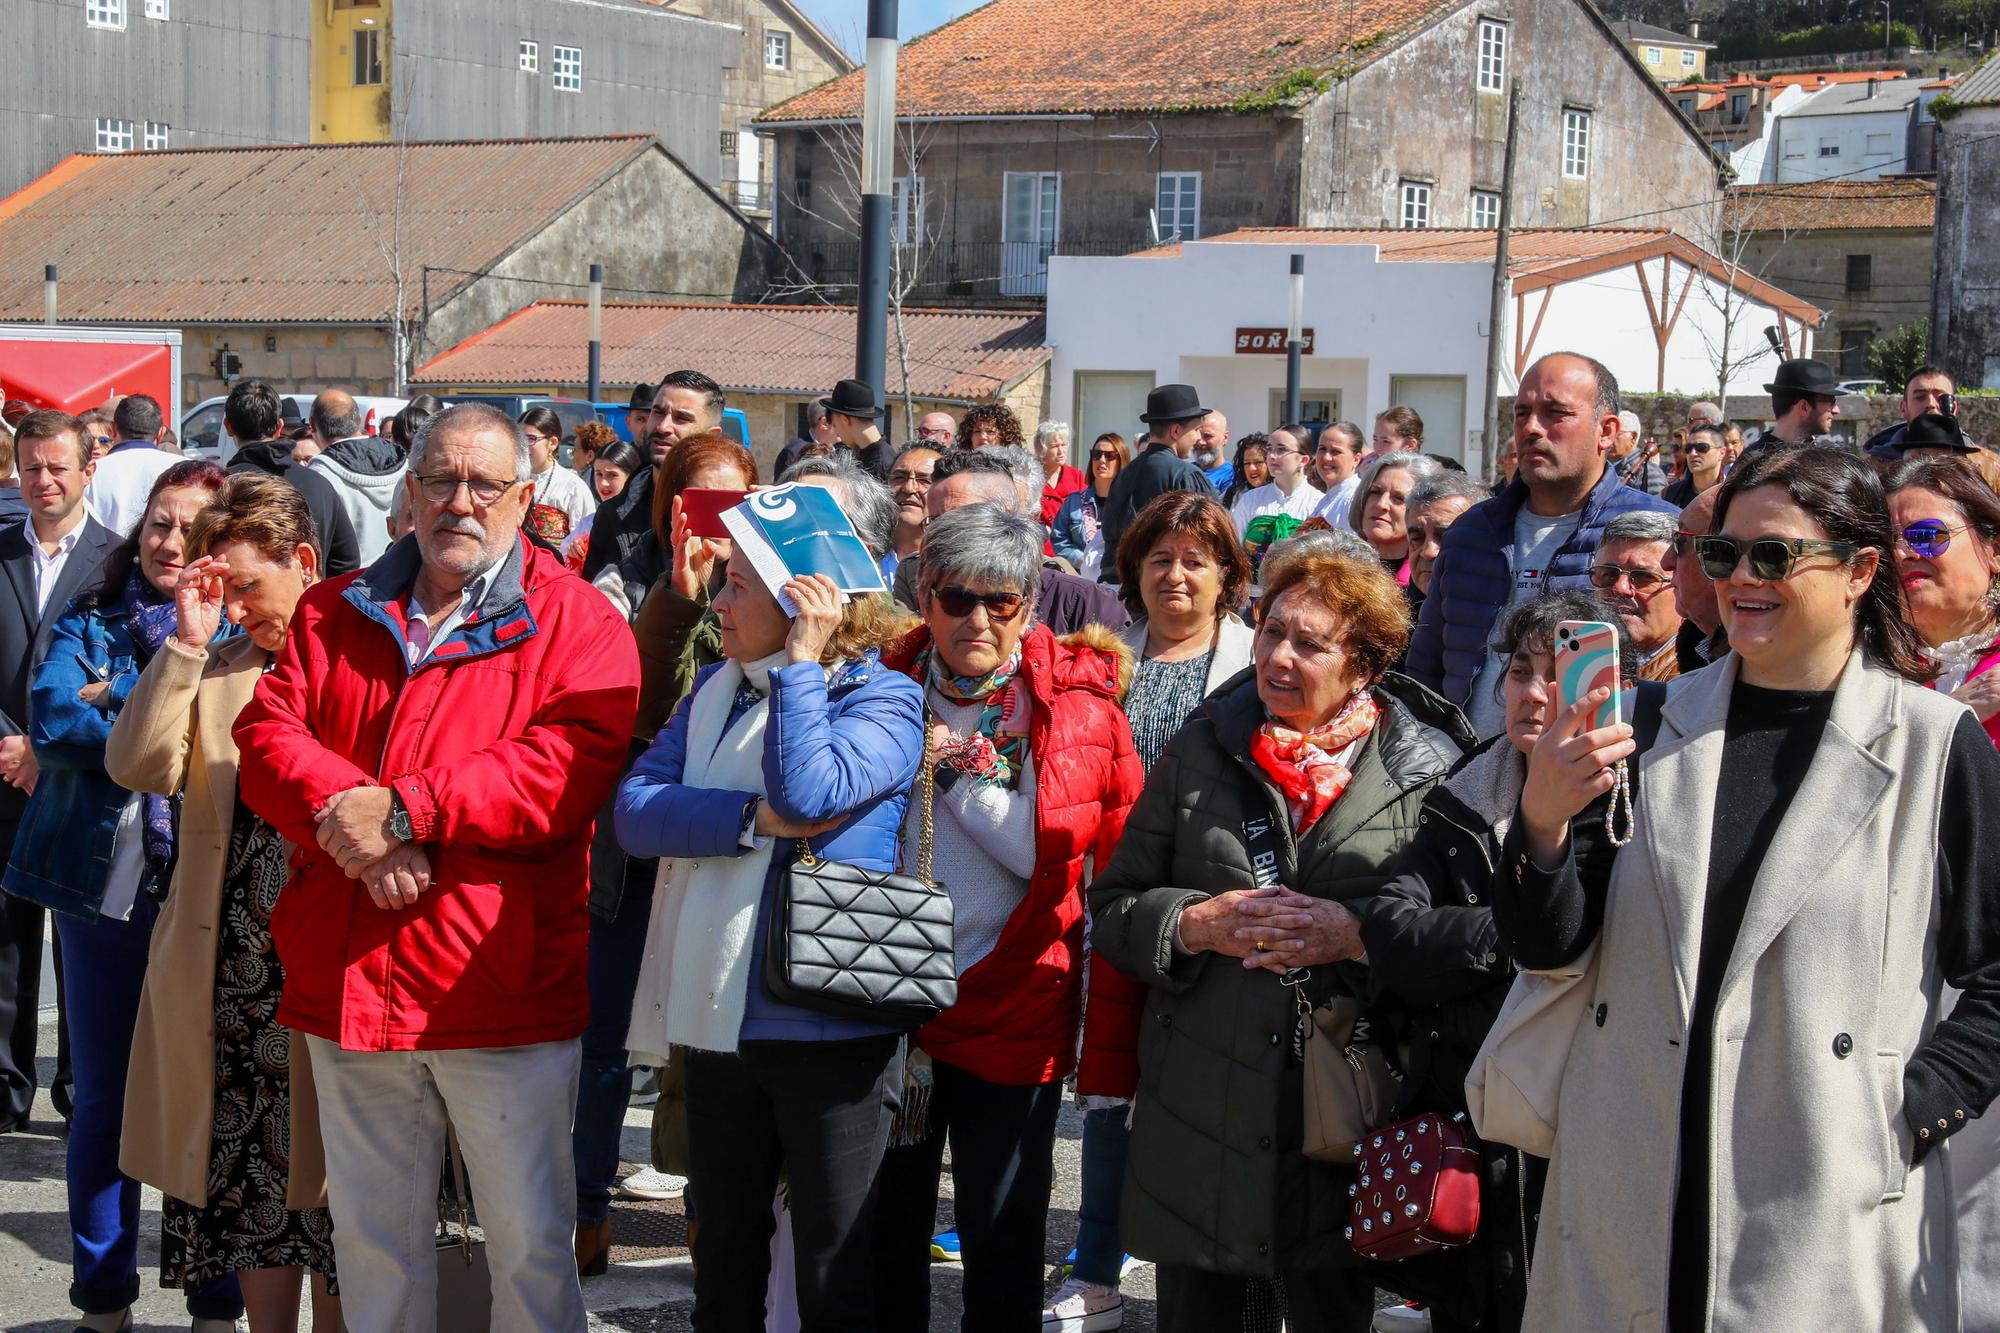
1474	576
62	854
846	746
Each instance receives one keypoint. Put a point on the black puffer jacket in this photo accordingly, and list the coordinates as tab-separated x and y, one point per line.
1215	1178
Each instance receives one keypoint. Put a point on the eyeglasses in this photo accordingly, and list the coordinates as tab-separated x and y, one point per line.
902	476
100	439
1929	537
1771	558
1277	451
1607	576
1701	448
440	487
1103	455
537	439
1681	539
1001	607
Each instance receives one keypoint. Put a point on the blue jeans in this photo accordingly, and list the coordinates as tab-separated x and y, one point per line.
617	947
1100	1253
107	967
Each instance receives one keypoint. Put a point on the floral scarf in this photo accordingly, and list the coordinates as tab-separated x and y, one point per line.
1305	764
997	750
152	619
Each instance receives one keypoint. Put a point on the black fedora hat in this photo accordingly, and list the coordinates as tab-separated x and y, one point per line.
642	398
853	398
1935	430
1173	402
1804	375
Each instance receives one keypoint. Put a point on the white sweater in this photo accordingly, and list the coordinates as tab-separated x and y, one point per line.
984	852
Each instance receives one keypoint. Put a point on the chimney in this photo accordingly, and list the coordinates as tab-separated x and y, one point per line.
1694	29
1944	72
1871	88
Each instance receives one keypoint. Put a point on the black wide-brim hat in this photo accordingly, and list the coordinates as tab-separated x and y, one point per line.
1935	430
1173	402
1804	375
853	398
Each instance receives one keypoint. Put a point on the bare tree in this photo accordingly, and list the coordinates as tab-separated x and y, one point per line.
1742	224
913	237
390	233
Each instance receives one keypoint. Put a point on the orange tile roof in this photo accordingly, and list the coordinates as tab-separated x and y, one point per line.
1834	206
1537	257
284	234
957	355
1028	57
1812	82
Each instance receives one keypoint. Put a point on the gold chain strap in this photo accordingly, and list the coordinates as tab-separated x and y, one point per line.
926	838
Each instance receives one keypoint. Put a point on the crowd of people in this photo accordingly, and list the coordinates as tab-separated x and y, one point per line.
429	786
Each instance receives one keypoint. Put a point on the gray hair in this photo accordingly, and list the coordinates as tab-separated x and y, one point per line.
471	417
1320	541
1421	468
1447	483
984	543
1048	430
869	505
1628	422
1026	469
1640	525
1707	411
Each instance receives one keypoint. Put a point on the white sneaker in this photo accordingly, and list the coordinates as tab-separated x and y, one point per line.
646	1183
1403	1319
646	1089
1084	1307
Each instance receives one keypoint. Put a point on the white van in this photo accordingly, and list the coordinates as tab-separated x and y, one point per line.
202	435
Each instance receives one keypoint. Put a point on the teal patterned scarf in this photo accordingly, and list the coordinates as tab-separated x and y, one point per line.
997	750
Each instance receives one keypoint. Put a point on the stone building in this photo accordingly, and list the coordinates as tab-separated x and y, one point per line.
125	75
1965	294
771	360
306	287
1036	127
779	53
1860	250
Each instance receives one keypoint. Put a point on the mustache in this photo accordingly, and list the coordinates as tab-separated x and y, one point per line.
458	526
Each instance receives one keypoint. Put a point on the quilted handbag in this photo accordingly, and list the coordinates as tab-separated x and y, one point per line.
1418	1191
862	944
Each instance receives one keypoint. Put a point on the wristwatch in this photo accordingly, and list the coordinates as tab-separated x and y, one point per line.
400	823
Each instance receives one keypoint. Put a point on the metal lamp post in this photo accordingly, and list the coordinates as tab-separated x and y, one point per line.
1294	339
878	174
596	331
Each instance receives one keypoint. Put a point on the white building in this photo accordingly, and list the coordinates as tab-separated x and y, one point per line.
1847	131
1399	317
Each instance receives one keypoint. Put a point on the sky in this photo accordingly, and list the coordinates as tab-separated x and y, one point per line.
846	21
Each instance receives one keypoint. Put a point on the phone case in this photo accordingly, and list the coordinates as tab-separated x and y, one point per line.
1587	659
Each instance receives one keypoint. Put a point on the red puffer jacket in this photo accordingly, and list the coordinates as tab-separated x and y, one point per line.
503	744
1015	1022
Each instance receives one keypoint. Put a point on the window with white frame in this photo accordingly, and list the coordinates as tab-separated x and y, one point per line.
1652	55
1485	208
530	58
1879	143
1829	148
777	49
1416	204
1492	56
1794	148
104	14
156	9
906	210
157	134
367	57
1177	205
1687	60
1576	143
568	67
114	136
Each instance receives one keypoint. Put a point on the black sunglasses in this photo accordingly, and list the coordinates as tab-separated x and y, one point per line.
1607	576
1103	453
1001	607
1771	558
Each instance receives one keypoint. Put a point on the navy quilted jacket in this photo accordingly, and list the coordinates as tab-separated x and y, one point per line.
1475	574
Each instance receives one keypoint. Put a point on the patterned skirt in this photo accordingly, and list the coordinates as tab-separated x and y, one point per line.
245	1224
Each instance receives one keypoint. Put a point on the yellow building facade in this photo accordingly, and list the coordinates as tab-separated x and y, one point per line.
351	75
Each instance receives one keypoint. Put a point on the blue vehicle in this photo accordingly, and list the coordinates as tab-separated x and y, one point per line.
734	423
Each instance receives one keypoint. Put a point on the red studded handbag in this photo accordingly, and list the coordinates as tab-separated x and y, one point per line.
1418	1189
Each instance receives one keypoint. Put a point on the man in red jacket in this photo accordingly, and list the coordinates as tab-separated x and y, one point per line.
435	740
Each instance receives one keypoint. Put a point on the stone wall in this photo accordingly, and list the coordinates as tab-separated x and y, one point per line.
291	358
1812	265
1965	302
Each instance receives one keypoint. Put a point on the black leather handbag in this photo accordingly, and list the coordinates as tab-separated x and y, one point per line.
861	944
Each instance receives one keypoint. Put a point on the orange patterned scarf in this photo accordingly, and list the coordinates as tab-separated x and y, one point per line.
1305	765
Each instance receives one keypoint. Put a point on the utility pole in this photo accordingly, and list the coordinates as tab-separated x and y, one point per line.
596	331
49	294
1496	315
1294	338
878	172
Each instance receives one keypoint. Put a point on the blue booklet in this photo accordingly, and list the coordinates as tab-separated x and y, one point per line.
797	529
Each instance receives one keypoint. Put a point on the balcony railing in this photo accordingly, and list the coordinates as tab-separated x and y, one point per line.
950	271
750	196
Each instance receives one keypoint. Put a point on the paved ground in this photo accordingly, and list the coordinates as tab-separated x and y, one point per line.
647	1289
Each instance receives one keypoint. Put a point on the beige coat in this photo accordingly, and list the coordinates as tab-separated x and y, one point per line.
174	730
1819	1222
1235	644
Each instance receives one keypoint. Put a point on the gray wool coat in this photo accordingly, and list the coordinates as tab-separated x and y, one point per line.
1819	1222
